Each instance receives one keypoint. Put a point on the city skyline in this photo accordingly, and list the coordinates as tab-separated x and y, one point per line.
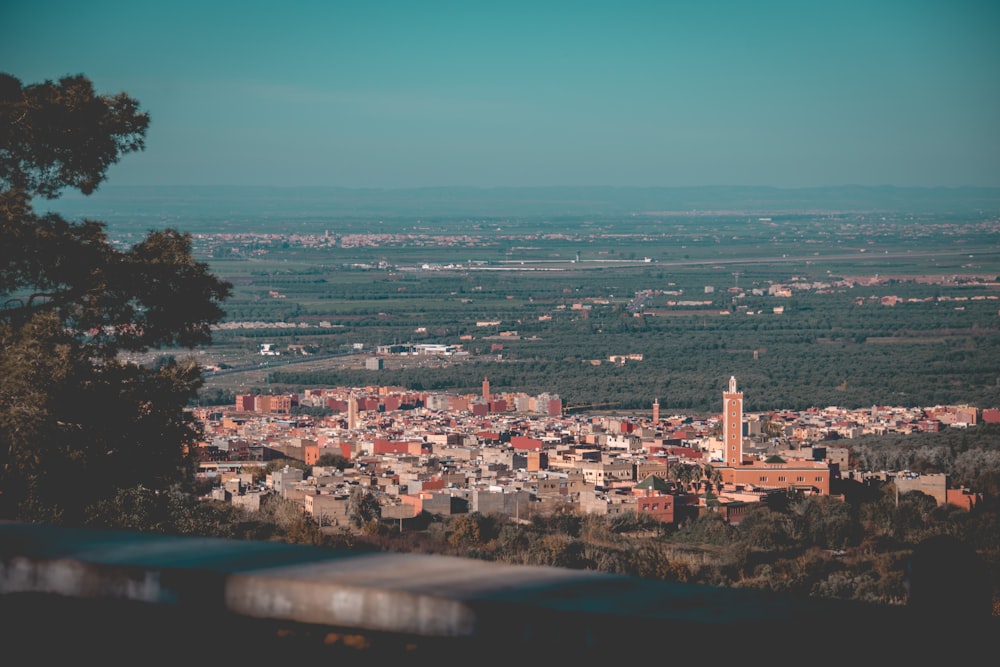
399	95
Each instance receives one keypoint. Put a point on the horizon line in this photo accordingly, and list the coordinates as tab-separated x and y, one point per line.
552	187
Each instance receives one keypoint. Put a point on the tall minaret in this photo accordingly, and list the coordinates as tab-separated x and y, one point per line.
352	412
486	389
732	425
656	410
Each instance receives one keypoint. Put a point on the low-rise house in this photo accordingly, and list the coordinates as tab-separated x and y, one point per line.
328	508
654	498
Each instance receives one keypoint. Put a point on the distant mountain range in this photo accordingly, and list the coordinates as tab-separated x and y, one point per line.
291	202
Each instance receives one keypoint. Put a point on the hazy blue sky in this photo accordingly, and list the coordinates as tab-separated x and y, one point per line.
375	93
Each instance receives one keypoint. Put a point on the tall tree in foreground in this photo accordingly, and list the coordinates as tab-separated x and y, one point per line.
77	421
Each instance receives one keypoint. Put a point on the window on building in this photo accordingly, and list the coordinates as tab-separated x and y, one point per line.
781	478
763	478
800	478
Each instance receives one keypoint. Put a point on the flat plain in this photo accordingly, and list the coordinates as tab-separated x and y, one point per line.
863	303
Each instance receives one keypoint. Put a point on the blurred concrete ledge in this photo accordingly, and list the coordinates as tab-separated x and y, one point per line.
69	592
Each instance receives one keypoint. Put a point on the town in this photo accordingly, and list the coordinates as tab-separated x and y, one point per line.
515	455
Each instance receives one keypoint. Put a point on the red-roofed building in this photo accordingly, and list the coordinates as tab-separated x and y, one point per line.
963	498
432	484
684	453
523	442
654	499
386	446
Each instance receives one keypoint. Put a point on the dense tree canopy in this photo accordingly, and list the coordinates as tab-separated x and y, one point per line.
78	421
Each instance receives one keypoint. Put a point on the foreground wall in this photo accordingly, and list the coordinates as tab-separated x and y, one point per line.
68	593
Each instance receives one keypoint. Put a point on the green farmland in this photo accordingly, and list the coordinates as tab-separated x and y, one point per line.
846	309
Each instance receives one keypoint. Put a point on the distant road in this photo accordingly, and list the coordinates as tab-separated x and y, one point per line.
273	362
854	256
514	264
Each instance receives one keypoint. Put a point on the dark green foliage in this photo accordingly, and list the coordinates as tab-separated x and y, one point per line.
59	135
363	506
629	522
970	457
79	422
827	523
708	528
763	528
171	512
336	460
